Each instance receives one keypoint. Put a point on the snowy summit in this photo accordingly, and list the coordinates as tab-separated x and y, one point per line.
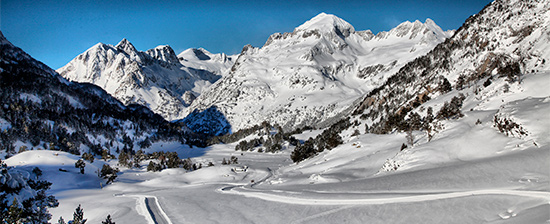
327	23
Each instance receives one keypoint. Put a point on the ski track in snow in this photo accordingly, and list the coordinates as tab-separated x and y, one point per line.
321	214
378	201
149	207
423	197
157	214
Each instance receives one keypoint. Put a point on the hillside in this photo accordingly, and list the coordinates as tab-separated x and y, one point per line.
42	110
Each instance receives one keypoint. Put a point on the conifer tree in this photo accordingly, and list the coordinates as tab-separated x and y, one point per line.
80	164
108	220
78	216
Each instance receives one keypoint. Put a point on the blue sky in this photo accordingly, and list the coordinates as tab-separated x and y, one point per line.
55	32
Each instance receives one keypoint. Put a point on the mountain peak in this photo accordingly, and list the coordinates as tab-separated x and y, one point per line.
125	46
163	53
429	22
327	23
200	54
415	29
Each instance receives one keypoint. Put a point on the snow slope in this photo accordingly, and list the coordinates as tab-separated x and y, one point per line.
155	78
505	40
468	173
313	73
200	58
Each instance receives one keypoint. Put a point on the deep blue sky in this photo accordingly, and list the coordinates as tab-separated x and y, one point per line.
57	31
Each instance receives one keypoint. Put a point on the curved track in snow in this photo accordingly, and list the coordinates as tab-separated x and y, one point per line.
149	207
376	201
155	211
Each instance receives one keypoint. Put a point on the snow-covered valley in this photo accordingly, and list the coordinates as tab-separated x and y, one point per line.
468	172
325	125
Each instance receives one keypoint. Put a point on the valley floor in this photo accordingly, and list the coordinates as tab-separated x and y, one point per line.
510	188
468	173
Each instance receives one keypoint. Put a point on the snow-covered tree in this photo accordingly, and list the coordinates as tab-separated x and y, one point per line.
107	172
28	201
80	164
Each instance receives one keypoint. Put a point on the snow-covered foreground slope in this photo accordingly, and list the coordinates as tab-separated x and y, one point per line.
155	78
313	73
470	172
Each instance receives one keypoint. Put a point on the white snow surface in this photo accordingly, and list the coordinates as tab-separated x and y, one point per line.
314	73
200	58
468	173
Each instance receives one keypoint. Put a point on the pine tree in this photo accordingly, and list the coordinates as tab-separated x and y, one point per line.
108	220
107	172
123	159
78	216
153	167
80	164
188	164
234	160
14	213
410	138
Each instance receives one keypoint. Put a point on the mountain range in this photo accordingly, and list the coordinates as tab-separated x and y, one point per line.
42	110
296	79
157	78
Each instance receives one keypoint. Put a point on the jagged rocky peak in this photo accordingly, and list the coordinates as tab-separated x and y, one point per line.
416	29
163	53
154	78
247	49
128	48
366	34
125	46
327	23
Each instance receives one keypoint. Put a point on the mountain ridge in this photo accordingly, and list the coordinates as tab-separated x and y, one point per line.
42	110
154	78
287	77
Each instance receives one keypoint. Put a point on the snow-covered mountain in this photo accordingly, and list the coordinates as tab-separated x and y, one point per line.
40	109
313	73
200	58
154	78
505	40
